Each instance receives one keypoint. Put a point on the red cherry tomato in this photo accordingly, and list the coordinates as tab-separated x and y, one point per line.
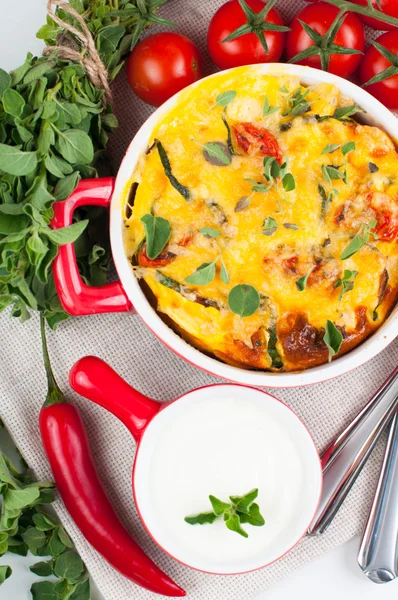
161	65
257	141
374	63
245	49
388	7
320	17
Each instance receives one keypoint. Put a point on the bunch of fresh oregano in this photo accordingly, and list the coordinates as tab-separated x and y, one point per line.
54	125
25	525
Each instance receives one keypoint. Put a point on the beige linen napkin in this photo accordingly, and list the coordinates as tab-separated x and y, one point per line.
125	342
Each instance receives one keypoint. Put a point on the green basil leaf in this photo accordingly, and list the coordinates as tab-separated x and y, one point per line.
291	226
55	546
224	273
81	591
42	569
267	109
57	166
326	175
43	522
356	244
66	235
66	186
110	121
217	154
40	197
334	173
301	283
330	148
18	499
71	112
109	38
5	573
270	225
242	203
333	338
75	146
77	5
157	233
219	507
16	162
201	518
64	537
242	503
5	82
225	98
34	538
46	137
288	182
233	523
18	74
69	566
43	590
348	147
254	517
203	275
38	70
344	112
243	300
36	249
209	232
13	102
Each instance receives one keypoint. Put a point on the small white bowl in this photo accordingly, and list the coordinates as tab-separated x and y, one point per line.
226	440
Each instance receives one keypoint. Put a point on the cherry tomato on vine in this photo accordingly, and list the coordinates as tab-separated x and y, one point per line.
323	42
388	7
380	65
245	32
161	65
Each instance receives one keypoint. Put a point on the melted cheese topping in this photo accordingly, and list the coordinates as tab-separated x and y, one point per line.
270	263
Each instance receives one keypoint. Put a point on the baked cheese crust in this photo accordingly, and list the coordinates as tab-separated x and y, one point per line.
288	238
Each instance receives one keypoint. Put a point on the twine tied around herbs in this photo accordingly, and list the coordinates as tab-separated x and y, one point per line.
88	57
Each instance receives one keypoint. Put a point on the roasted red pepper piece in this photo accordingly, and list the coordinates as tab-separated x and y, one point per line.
68	451
160	261
257	141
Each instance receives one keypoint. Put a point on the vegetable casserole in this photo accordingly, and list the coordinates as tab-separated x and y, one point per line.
262	221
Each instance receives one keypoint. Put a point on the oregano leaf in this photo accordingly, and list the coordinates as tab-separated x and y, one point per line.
157	234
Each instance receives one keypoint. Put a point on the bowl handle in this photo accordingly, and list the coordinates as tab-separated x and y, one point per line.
94	379
76	297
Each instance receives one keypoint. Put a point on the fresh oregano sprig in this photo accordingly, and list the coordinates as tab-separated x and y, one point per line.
346	282
25	525
359	240
240	509
54	127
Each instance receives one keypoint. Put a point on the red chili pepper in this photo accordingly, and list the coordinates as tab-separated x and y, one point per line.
67	448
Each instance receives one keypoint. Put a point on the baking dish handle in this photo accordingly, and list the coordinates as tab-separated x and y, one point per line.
76	297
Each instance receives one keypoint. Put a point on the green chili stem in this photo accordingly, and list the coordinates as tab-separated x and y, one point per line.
54	394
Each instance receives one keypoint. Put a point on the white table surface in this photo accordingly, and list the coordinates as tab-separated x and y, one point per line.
335	575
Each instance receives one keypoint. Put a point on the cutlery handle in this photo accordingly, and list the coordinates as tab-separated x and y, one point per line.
378	551
343	460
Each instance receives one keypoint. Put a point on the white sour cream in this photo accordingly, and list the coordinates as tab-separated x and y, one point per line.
226	440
